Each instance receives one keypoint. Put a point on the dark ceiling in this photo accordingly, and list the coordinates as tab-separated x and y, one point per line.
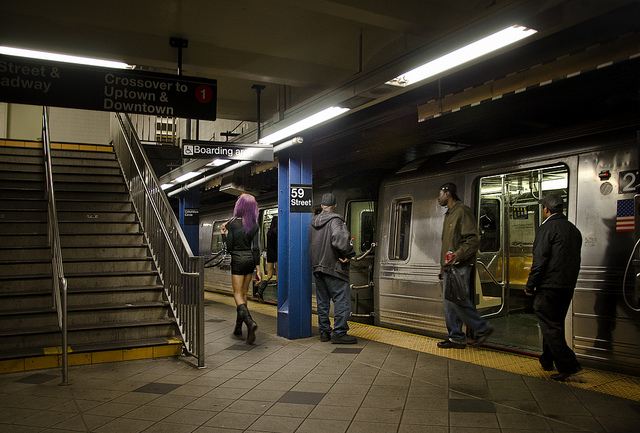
312	54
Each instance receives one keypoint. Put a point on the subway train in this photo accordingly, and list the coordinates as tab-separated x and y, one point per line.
396	225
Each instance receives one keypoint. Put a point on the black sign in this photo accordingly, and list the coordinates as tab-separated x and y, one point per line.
300	198
191	217
225	150
628	181
41	82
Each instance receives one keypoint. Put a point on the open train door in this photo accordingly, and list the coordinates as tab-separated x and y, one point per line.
508	216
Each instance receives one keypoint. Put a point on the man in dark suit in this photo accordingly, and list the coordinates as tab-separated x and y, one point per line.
553	277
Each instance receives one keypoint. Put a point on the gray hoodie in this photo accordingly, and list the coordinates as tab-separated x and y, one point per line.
329	240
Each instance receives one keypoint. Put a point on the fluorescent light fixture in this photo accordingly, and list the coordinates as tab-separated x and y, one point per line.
314	119
462	55
166	186
187	176
218	162
61	58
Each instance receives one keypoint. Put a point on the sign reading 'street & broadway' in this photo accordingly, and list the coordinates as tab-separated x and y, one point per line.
41	82
224	150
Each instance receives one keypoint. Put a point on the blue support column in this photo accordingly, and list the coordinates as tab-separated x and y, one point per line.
294	272
189	218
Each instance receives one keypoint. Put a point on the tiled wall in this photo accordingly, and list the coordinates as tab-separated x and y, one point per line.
79	126
3	120
67	125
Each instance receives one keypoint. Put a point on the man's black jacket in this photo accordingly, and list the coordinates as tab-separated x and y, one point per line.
556	255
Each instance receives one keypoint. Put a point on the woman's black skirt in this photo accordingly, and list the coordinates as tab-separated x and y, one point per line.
272	255
242	262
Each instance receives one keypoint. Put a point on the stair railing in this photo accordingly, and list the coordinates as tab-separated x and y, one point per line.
181	272
58	281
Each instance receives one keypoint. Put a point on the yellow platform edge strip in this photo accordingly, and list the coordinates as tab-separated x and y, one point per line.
52	357
604	382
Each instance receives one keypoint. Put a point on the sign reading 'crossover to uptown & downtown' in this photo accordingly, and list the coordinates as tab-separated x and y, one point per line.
41	82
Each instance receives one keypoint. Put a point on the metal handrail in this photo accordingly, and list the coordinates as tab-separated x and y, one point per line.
502	287
181	272
58	281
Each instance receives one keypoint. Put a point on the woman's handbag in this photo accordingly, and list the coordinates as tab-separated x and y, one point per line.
454	289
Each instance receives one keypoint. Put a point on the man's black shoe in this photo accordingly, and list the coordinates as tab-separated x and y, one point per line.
483	336
344	339
547	366
448	344
561	377
325	336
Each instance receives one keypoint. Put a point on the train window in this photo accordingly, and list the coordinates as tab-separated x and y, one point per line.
216	237
400	231
267	218
489	222
361	222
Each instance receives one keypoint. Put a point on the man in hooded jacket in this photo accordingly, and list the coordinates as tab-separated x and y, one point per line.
330	249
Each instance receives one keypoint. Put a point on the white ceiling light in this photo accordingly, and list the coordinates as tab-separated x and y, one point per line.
166	186
458	57
19	52
187	176
314	119
217	162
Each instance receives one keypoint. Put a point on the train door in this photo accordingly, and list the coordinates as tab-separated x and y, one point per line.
361	222
268	268
508	216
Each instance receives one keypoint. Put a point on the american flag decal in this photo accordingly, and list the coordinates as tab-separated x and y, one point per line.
625	220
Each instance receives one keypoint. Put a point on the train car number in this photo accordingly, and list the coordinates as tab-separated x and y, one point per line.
628	181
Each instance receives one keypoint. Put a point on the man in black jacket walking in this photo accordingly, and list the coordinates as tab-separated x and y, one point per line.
553	277
330	250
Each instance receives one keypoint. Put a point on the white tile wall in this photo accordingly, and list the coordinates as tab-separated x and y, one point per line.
79	126
3	120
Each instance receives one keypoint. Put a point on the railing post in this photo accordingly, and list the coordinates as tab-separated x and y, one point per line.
200	314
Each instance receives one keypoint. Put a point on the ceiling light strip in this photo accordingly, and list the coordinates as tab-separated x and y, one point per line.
462	55
42	55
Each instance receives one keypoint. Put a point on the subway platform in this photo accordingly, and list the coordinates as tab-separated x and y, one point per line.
389	382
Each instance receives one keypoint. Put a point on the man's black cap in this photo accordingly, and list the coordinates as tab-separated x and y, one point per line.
553	202
328	199
452	188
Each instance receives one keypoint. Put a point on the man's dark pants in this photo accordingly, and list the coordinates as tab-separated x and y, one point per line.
550	307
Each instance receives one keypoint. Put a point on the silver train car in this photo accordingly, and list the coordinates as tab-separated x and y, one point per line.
596	175
396	225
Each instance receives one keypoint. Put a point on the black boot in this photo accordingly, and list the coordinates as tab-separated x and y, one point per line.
238	329
243	312
261	288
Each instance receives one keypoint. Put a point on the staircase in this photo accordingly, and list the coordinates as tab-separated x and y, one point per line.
116	305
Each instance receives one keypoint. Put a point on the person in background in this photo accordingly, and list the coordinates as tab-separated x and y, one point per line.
460	242
552	279
330	250
242	236
272	257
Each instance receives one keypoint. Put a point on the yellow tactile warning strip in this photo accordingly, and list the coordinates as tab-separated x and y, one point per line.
60	146
52	356
619	385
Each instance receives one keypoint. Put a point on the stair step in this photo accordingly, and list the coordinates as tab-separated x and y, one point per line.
79	161
77	267
83	197
93	206
79	290
23	204
78	170
49	335
158	344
